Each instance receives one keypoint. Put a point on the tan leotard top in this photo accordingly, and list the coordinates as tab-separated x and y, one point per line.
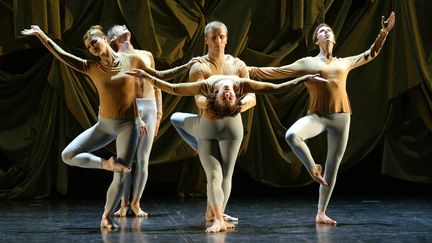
116	89
325	98
242	86
146	89
207	67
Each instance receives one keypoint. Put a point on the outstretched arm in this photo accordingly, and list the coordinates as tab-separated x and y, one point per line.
258	87
296	69
173	72
181	89
72	61
369	55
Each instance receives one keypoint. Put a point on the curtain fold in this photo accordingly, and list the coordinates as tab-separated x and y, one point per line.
45	104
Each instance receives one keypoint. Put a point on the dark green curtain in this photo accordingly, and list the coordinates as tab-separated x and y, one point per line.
44	104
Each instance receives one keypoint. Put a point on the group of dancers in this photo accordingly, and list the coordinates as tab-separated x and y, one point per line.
130	111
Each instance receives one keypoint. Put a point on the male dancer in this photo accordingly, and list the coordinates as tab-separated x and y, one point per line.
149	101
218	149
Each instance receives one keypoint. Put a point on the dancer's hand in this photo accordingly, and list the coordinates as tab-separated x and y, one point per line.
193	61
143	128
139	73
34	30
158	121
316	78
388	24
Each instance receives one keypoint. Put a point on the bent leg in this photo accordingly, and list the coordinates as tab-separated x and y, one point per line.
77	152
303	129
178	120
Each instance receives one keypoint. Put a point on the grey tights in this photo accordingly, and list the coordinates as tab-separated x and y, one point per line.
337	127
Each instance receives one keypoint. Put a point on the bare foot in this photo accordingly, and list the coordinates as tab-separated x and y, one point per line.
229	225
138	211
322	218
316	175
122	212
217	226
108	224
229	218
113	165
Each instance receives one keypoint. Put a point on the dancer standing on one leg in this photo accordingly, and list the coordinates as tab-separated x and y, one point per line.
149	101
218	167
118	114
329	108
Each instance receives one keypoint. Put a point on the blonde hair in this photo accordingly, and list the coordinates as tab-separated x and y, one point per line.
95	30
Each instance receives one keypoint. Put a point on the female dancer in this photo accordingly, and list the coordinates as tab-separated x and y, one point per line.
223	93
118	115
149	101
329	108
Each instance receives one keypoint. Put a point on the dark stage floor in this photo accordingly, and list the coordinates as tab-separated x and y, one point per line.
271	219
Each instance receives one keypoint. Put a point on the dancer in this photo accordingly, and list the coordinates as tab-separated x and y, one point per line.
149	101
223	92
216	62
329	107
118	114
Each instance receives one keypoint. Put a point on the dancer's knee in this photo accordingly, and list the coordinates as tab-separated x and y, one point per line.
214	178
175	119
119	179
67	156
141	167
292	139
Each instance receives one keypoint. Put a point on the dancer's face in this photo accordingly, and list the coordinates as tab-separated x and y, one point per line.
324	35
226	95
96	45
121	33
216	40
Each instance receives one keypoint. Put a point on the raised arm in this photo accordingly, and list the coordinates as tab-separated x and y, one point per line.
369	55
72	61
181	89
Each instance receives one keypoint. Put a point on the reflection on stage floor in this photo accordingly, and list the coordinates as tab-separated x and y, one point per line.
271	219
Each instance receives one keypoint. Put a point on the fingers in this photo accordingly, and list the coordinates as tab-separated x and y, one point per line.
389	22
144	131
156	131
135	72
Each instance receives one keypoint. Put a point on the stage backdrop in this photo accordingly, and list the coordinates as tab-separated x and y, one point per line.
45	104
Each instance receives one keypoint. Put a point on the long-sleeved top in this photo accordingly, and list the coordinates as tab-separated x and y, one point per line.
145	89
325	98
241	86
230	66
116	89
